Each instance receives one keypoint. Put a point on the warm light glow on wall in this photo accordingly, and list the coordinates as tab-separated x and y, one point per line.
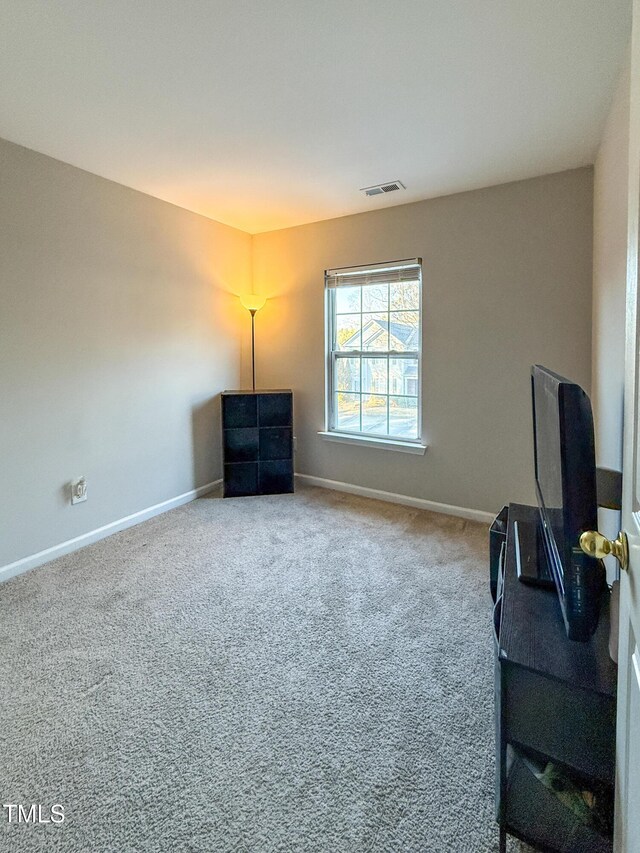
252	302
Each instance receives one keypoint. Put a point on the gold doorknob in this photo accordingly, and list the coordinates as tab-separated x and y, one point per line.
596	545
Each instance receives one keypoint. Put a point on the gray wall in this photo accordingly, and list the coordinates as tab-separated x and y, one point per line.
118	328
507	282
610	196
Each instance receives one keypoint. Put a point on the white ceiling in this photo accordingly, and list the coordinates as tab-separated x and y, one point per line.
270	113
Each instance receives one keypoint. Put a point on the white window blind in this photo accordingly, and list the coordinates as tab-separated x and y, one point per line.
396	271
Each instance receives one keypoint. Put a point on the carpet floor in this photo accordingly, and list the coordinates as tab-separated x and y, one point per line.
309	673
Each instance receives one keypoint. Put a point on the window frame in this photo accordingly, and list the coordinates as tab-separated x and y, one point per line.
332	355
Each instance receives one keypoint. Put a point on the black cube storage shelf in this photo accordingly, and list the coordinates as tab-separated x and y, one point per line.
257	442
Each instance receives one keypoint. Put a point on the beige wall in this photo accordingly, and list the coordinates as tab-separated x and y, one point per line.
507	282
118	328
610	203
610	277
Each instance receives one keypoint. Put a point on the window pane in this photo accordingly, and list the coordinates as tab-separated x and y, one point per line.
374	413
348	412
403	376
347	374
403	417
375	332
372	393
374	375
403	330
348	331
405	296
347	300
375	297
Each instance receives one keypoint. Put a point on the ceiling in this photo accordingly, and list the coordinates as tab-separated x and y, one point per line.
269	113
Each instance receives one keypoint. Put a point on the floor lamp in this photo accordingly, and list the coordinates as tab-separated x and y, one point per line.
253	303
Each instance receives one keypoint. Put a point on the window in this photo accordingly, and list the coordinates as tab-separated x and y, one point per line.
374	351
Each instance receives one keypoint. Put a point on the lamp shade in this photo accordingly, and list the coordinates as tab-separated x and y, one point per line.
252	302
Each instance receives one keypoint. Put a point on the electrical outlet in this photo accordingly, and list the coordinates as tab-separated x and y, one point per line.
78	490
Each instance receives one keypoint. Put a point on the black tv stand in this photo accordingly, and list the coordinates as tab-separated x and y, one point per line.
555	701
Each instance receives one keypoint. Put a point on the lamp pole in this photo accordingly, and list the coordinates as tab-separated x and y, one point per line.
253	346
252	302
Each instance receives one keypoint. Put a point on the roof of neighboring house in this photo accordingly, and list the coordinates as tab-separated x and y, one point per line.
402	331
405	333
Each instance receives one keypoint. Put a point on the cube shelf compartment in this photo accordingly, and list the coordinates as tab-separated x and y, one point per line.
257	440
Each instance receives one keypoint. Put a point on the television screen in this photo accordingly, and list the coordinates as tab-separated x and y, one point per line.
548	467
565	472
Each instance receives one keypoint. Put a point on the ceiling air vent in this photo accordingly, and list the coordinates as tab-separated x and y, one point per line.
387	187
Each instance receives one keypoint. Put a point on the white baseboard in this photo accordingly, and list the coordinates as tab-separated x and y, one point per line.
34	560
26	563
405	500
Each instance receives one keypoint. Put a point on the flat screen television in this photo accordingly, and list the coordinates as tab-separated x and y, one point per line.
565	473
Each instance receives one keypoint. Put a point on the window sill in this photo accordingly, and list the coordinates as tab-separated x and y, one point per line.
380	443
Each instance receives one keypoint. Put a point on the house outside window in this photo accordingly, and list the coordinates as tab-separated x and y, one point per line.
374	334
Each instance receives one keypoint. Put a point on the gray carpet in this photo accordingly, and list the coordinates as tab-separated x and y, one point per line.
308	673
